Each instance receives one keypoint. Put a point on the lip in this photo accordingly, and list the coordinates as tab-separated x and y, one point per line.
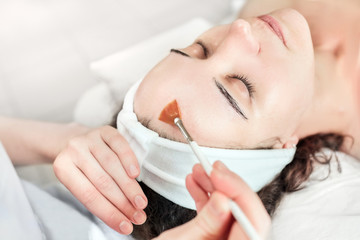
274	26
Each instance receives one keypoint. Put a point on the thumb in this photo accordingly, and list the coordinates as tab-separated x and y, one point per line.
212	222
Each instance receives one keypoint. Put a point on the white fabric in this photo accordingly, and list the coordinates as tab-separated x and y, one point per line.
328	208
96	107
17	219
165	164
28	212
120	70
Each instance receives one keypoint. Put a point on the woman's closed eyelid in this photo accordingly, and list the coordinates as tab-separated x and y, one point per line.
248	84
197	50
204	48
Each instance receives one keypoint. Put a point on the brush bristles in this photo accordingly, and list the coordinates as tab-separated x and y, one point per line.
169	113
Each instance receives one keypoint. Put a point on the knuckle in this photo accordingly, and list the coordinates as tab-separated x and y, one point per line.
115	140
103	182
126	185
59	168
106	130
113	217
89	196
206	226
126	154
131	188
97	151
122	203
108	160
74	143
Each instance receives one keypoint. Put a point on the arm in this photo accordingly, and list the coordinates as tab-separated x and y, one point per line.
29	142
96	165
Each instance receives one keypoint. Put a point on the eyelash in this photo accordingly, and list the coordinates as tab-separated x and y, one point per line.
205	49
242	78
246	81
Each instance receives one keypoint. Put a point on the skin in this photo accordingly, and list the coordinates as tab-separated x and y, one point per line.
282	76
336	65
336	101
214	219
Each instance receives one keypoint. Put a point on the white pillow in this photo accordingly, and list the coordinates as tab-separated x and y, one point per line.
98	105
121	69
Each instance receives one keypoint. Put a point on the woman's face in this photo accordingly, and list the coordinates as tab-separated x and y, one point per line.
242	85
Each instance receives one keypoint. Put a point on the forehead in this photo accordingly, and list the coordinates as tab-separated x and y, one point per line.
215	33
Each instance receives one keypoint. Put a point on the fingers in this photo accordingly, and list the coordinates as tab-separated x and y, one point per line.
212	222
235	188
231	184
199	186
106	186
199	195
83	190
215	217
202	178
93	167
122	148
110	162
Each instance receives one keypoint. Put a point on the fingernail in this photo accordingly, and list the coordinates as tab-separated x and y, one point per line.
140	202
220	166
139	217
133	170
125	227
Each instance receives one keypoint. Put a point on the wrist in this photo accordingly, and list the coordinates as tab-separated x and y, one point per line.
62	136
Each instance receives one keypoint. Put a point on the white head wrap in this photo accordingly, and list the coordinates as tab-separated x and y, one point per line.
164	163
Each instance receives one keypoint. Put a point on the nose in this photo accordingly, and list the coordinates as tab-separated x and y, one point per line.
240	32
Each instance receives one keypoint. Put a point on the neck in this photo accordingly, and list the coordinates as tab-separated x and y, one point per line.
334	26
336	105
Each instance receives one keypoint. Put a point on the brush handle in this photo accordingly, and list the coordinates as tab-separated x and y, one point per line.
243	221
235	209
201	157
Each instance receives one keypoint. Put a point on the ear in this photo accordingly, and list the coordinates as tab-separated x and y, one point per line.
291	142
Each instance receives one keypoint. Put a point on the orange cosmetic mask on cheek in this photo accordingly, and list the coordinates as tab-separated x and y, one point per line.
170	112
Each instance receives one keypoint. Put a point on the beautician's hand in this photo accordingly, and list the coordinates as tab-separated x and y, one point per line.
214	220
99	168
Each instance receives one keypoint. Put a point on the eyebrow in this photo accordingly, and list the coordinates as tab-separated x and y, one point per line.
233	103
179	52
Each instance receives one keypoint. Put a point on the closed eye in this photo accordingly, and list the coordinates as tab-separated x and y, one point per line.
233	103
179	52
205	49
246	82
200	53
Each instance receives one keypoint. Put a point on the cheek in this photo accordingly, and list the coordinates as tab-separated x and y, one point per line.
206	117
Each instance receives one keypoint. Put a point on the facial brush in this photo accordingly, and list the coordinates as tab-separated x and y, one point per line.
235	209
172	115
